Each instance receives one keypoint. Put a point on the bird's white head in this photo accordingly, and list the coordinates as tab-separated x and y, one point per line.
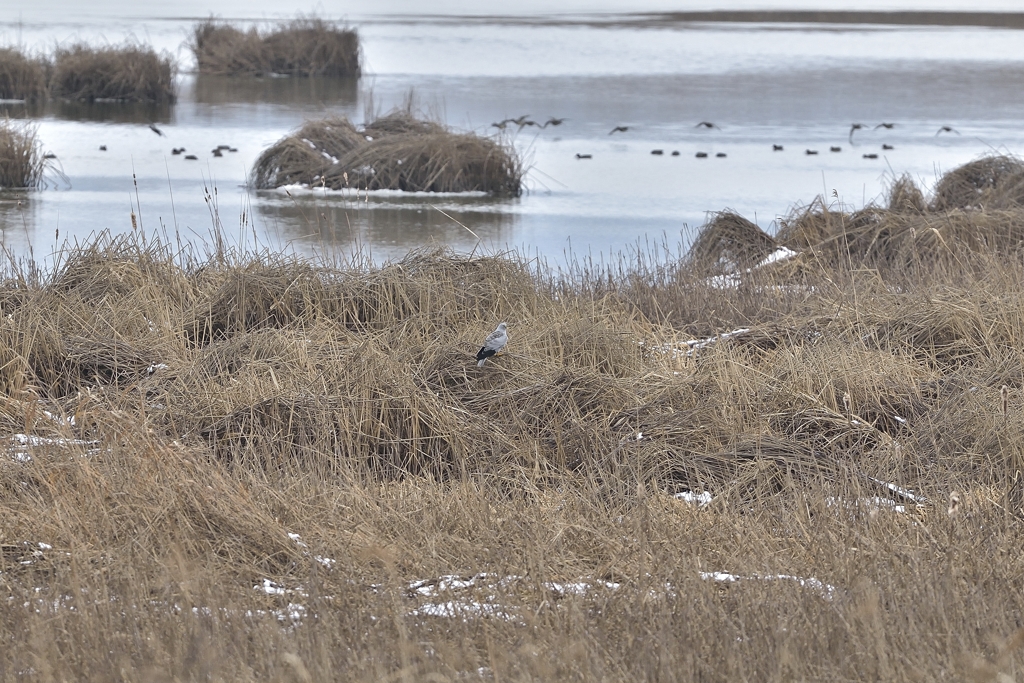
502	326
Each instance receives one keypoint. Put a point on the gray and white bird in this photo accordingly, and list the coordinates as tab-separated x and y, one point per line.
494	343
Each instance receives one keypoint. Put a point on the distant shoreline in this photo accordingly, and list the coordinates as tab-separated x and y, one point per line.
1008	20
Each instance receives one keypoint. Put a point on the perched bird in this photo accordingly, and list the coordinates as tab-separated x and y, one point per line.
706	124
835	149
853	128
619	129
657	152
720	155
948	129
810	151
887	126
776	148
584	156
156	130
494	343
553	122
702	155
870	156
887	147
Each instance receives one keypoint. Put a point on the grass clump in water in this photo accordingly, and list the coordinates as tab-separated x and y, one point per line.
21	77
393	152
302	47
21	158
129	73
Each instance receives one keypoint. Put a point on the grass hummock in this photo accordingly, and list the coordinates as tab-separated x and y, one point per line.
393	152
302	47
21	157
128	73
21	77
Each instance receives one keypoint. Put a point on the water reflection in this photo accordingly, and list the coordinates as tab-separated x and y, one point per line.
390	226
300	91
92	112
19	211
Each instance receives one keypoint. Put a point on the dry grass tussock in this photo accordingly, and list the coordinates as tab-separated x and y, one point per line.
303	47
21	157
394	152
130	72
175	418
21	77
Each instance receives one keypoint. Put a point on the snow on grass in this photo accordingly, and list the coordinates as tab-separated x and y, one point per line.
828	592
702	499
20	445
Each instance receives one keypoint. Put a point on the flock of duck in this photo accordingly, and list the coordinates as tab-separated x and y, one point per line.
525	121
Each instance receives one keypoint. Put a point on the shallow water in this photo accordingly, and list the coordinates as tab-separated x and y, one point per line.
800	86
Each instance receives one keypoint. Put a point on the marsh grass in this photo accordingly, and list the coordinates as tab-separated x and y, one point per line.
397	151
129	73
21	76
21	158
190	411
302	47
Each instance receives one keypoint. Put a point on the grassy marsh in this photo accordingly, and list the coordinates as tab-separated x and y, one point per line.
176	416
129	73
396	151
302	47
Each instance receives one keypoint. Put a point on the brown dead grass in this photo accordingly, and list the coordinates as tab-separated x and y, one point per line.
303	47
21	157
394	152
130	73
221	403
21	76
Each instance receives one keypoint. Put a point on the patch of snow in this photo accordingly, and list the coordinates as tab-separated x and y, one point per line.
777	256
869	504
306	189
828	592
702	499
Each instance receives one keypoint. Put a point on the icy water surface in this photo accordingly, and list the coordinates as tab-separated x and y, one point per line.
762	84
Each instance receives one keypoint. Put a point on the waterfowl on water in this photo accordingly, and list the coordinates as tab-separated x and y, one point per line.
584	156
835	149
887	147
657	152
811	151
776	148
702	155
870	156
